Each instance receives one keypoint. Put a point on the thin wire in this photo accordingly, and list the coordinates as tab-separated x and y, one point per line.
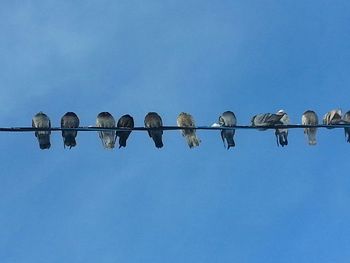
169	128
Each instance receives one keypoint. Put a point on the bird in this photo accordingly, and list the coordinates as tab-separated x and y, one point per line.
186	120
69	120
346	120
333	117
282	134
309	117
266	119
106	120
228	119
153	120
125	121
273	119
41	120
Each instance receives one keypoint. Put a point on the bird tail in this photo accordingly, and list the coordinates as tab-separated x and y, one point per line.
230	142
312	138
347	134
123	136
193	140
157	138
281	138
228	135
69	141
44	141
108	139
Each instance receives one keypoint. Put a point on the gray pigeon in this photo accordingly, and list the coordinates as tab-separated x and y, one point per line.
333	117
346	119
153	120
186	120
106	120
228	119
126	121
271	119
40	120
309	117
266	119
69	120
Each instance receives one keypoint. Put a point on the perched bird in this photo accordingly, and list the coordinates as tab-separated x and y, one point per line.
228	119
186	120
40	120
309	117
271	119
282	134
346	120
69	120
266	119
126	121
153	120
332	117
106	120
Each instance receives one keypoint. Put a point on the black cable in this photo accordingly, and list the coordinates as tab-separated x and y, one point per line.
169	128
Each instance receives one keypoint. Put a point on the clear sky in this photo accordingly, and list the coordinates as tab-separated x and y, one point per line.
253	203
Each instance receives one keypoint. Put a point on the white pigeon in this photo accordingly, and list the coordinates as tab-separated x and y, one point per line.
309	117
108	137
41	120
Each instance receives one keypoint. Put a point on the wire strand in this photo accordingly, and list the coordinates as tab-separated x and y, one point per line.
169	128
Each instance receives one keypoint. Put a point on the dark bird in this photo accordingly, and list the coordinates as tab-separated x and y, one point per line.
153	120
346	120
186	120
40	120
126	121
282	134
69	120
309	117
228	119
106	120
333	117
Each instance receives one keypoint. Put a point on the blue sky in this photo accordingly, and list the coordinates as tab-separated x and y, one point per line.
254	203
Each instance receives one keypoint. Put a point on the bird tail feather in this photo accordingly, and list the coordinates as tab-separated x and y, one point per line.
69	141
193	140
44	141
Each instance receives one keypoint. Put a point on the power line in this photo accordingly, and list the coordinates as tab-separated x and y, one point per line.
169	128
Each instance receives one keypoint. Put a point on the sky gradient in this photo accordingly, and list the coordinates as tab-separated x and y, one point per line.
254	203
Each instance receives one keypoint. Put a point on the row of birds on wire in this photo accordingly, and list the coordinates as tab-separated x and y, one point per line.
153	124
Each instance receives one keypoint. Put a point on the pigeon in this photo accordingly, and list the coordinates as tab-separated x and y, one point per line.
40	120
153	120
346	120
271	119
333	117
69	120
282	134
266	119
186	120
309	117
126	121
106	120
228	119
